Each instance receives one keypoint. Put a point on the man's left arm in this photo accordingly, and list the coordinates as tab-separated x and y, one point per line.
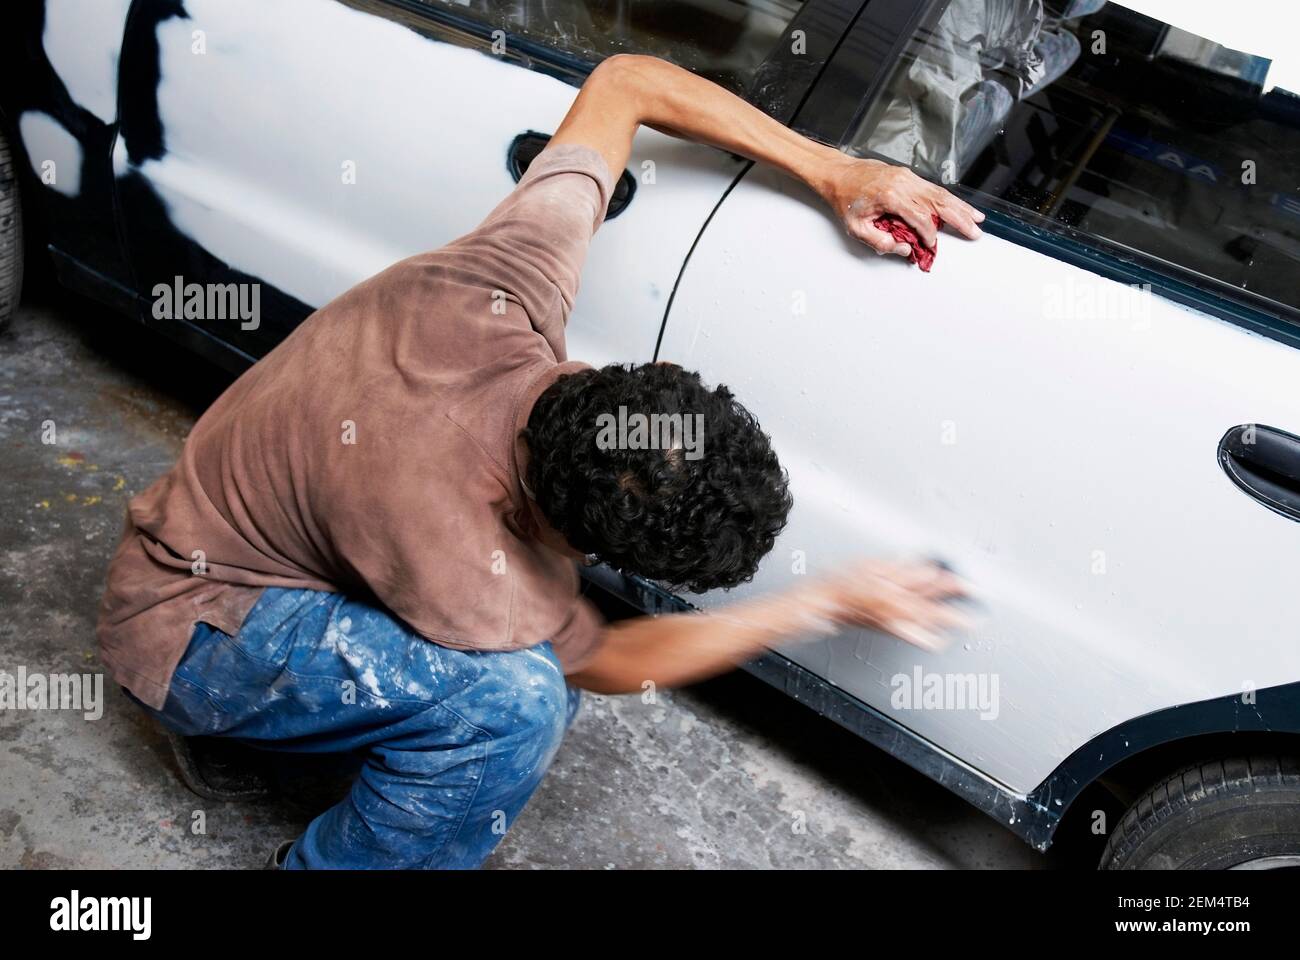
628	90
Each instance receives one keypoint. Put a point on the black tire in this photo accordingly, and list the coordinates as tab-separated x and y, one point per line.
11	235
1242	812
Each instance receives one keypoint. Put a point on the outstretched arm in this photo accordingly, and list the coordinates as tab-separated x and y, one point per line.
628	90
908	600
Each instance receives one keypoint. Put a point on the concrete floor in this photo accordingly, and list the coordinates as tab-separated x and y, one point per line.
716	775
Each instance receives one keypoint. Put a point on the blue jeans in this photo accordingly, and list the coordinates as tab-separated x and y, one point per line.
454	741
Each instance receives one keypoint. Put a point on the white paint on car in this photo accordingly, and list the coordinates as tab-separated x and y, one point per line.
55	154
121	162
423	125
83	40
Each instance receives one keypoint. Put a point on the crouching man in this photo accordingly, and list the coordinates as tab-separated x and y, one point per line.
370	542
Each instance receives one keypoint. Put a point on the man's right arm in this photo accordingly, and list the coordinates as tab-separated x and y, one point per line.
629	90
908	600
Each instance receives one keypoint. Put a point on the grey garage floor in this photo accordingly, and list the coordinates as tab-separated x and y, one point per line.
713	776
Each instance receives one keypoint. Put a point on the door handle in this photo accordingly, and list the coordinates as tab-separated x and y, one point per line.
1265	463
524	150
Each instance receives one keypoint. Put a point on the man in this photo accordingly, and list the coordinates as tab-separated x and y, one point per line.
369	543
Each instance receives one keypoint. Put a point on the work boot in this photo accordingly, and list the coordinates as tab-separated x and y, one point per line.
217	768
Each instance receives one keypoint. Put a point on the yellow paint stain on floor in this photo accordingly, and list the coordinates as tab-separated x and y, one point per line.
75	461
90	501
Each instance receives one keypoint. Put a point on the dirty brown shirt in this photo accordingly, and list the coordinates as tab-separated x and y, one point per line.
376	452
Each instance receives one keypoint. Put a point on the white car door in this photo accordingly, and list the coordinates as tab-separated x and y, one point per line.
1052	434
308	144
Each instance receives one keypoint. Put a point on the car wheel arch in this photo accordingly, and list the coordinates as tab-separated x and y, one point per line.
1128	758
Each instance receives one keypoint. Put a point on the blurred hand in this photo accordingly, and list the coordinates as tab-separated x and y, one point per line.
908	599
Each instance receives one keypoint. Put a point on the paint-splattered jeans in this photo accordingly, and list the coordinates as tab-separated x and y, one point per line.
454	742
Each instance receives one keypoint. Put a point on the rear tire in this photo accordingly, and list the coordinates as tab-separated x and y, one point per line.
1238	813
11	235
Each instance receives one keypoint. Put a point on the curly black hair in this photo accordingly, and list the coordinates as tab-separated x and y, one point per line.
690	517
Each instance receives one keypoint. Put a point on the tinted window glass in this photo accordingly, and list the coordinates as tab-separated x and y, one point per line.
724	40
1108	122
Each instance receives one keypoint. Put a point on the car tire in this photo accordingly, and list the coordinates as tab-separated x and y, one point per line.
11	234
1238	813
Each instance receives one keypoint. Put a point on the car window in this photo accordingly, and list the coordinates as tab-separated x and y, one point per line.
724	40
1111	123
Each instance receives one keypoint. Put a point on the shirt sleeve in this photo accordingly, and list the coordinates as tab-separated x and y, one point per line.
579	639
533	244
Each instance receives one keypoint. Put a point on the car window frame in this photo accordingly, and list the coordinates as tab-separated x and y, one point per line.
780	85
865	60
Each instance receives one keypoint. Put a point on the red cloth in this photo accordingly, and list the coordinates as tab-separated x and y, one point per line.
922	256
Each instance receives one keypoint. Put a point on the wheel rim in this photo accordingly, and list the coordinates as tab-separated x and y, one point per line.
1286	861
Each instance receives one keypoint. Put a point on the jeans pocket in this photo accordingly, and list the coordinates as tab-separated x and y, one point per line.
267	634
192	708
219	682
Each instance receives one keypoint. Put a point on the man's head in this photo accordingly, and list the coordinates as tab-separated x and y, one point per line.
655	473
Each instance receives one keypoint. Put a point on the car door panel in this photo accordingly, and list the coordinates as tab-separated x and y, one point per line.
359	140
58	89
1062	457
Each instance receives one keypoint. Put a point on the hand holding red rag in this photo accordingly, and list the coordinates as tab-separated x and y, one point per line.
892	210
922	256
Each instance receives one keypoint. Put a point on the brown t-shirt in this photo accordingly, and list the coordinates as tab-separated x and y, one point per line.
376	452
